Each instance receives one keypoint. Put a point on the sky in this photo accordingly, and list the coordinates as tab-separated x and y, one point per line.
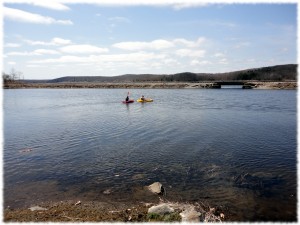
51	39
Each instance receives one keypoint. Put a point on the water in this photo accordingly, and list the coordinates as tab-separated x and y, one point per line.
231	148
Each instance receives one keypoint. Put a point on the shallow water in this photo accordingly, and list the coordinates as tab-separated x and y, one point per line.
230	147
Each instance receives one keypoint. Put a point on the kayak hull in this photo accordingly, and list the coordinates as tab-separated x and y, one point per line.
127	102
145	100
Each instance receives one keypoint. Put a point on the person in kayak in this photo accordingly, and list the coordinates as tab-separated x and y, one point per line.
143	98
127	98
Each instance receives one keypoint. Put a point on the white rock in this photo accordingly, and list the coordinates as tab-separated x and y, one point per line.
190	215
155	187
37	208
161	209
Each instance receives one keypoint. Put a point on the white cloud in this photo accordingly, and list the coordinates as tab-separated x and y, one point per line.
109	58
53	4
190	44
61	4
60	41
82	49
223	61
184	42
11	63
12	45
34	53
21	54
200	63
219	54
189	4
33	66
133	46
190	53
55	41
159	44
46	52
26	17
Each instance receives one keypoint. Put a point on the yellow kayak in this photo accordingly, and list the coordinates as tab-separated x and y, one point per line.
145	100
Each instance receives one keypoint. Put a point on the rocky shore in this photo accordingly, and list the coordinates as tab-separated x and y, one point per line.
154	85
158	209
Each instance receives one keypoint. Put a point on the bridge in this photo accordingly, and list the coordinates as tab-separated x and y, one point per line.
245	85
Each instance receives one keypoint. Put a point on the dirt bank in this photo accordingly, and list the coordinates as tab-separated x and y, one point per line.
72	211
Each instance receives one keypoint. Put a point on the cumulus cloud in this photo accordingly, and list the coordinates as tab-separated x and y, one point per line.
83	49
223	61
53	4
46	52
200	63
21	53
159	44
36	52
26	17
190	44
55	42
190	53
131	57
61	4
133	46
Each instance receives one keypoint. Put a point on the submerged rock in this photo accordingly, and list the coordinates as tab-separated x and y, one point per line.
161	209
255	182
248	181
156	188
138	176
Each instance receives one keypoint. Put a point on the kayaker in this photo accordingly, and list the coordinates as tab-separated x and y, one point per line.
143	98
127	98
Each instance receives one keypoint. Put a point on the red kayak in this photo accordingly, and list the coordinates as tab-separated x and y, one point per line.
130	101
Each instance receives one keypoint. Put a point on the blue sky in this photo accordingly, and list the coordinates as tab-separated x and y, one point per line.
47	39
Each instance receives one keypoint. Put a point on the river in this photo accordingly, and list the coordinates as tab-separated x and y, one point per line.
230	147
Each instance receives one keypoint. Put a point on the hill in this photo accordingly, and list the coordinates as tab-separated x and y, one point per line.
272	73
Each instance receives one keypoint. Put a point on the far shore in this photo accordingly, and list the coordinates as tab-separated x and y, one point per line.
151	85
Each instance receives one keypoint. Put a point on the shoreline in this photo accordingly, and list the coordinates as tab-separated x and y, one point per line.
274	85
110	209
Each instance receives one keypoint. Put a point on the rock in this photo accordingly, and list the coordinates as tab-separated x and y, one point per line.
37	208
248	181
156	188
190	215
161	209
107	192
138	176
78	203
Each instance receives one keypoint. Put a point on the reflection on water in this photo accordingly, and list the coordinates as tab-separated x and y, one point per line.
235	148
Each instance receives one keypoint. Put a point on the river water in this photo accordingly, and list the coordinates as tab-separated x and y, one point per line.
232	148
